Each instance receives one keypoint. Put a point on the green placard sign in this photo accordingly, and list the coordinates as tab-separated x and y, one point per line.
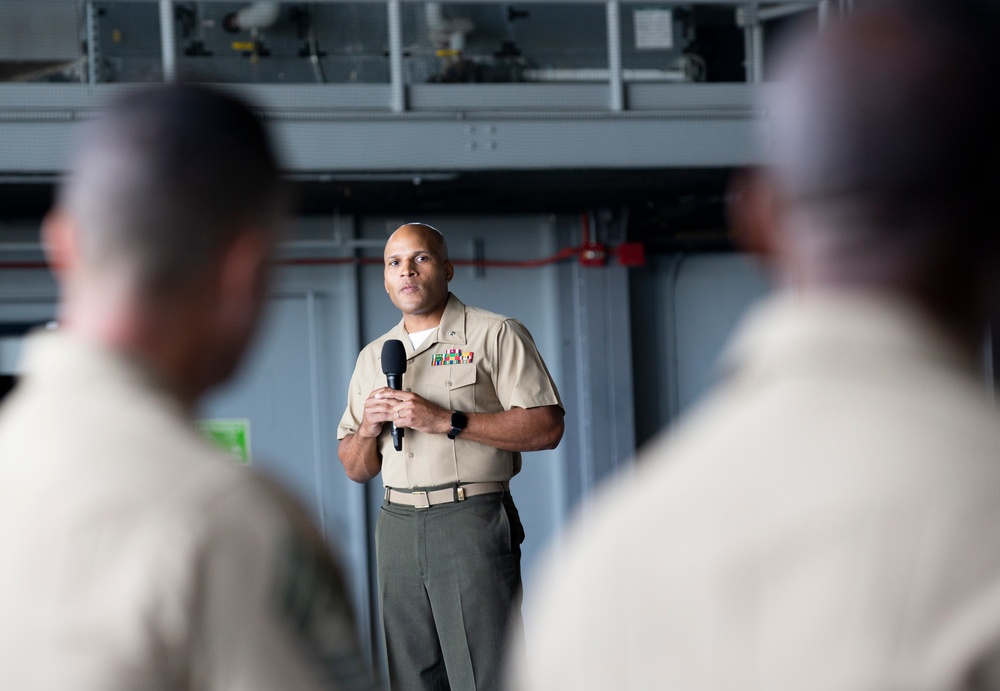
232	436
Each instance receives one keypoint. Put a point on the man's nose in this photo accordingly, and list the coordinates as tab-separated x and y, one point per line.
406	268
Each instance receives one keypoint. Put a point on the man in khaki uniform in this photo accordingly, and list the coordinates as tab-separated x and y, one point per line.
448	537
137	556
830	517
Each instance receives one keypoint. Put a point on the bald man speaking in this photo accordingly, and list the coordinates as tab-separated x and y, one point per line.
476	395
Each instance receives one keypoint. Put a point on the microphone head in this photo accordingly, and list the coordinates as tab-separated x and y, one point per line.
393	357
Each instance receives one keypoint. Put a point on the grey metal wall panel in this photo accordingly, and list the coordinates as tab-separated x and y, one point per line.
685	309
381	146
39	30
712	294
496	144
459	98
323	130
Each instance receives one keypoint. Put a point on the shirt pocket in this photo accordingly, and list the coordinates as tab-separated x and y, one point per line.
455	387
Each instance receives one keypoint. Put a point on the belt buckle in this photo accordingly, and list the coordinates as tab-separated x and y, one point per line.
420	500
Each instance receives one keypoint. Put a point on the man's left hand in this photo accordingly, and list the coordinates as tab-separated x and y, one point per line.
416	412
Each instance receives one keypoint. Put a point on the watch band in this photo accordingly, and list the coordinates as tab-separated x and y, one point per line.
459	420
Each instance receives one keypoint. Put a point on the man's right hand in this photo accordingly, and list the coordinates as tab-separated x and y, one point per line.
380	407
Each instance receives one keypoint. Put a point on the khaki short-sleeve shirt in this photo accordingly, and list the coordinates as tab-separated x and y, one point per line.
138	556
477	362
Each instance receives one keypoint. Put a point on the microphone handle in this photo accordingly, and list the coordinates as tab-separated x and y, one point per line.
395	381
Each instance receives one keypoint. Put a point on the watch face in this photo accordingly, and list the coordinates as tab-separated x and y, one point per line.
458	423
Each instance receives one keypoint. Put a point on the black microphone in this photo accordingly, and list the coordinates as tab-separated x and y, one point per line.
393	366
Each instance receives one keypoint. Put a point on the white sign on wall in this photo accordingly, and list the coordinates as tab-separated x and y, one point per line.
654	28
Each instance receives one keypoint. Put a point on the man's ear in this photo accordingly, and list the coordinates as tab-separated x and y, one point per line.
754	213
61	242
243	275
449	270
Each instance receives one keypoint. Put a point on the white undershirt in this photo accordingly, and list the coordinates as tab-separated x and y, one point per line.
420	336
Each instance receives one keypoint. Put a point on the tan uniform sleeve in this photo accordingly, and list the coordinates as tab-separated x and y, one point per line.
272	604
521	378
357	392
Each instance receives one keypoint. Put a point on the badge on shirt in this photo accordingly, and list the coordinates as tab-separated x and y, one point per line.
454	356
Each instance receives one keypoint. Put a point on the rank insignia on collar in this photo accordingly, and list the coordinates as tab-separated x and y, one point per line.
452	357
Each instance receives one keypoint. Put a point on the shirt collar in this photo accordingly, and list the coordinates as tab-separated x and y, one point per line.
64	357
846	325
451	329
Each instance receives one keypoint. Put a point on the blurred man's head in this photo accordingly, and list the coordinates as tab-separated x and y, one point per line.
170	211
886	154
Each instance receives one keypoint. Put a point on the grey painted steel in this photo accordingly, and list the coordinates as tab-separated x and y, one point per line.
753	41
42	30
607	422
823	11
711	294
396	57
685	308
596	384
168	40
497	144
352	128
27	102
523	144
93	44
616	85
458	99
39	141
664	3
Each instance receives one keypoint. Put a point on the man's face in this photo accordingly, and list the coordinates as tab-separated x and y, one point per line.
416	271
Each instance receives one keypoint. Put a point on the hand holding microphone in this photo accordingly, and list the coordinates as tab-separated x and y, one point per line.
393	367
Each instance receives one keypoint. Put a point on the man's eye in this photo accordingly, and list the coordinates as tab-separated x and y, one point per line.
421	259
393	262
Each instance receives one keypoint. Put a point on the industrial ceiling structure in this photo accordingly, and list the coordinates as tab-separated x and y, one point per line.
427	106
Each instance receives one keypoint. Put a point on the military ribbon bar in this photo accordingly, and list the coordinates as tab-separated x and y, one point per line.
452	357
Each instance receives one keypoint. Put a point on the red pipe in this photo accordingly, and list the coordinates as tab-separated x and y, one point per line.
561	255
23	265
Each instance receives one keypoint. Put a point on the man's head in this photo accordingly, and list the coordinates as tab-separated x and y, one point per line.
164	225
417	271
886	155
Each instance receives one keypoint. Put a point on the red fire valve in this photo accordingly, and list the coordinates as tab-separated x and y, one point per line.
631	254
593	254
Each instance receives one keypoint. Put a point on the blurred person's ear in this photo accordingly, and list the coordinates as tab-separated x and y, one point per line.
246	264
243	279
753	214
60	242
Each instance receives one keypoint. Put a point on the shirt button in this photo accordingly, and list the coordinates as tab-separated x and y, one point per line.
449	383
408	389
410	455
451	333
410	361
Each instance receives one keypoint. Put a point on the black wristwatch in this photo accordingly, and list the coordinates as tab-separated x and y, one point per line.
458	422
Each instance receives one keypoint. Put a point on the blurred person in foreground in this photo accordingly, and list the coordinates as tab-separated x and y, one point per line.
135	555
829	518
